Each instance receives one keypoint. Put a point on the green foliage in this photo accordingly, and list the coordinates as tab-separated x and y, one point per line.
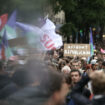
68	29
81	13
28	9
5	6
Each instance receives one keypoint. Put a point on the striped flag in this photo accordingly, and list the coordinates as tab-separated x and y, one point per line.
6	52
91	43
10	27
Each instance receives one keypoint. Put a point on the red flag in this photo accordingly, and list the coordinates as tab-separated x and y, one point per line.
3	53
3	20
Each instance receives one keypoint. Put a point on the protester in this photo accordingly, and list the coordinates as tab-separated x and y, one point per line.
100	61
98	87
76	65
94	65
4	76
41	81
75	78
68	80
103	66
45	76
21	78
66	70
51	90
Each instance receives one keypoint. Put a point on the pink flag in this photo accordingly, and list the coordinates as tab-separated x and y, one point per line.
102	51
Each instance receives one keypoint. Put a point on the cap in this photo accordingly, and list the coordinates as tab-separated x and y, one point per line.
94	61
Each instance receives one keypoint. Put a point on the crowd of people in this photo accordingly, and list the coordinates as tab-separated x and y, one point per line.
54	80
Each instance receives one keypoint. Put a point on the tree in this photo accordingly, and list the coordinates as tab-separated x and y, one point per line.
28	10
82	14
6	6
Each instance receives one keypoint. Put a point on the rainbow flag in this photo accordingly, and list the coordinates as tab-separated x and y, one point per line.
10	27
6	51
91	43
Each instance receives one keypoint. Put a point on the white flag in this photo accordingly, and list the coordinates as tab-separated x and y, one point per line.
52	38
46	35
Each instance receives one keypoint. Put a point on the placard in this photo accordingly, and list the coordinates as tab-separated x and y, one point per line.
77	50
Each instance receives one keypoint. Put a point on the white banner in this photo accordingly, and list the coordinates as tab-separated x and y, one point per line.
47	36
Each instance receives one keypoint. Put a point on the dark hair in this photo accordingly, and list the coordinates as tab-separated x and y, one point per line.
68	79
1	65
100	60
22	78
103	63
75	61
52	82
60	54
67	61
76	71
50	52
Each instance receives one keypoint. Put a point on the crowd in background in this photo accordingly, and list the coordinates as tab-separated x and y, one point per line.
55	80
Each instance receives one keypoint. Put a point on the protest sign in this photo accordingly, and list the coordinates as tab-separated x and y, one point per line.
77	50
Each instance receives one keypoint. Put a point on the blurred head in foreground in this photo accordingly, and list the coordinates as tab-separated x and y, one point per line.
98	83
46	87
